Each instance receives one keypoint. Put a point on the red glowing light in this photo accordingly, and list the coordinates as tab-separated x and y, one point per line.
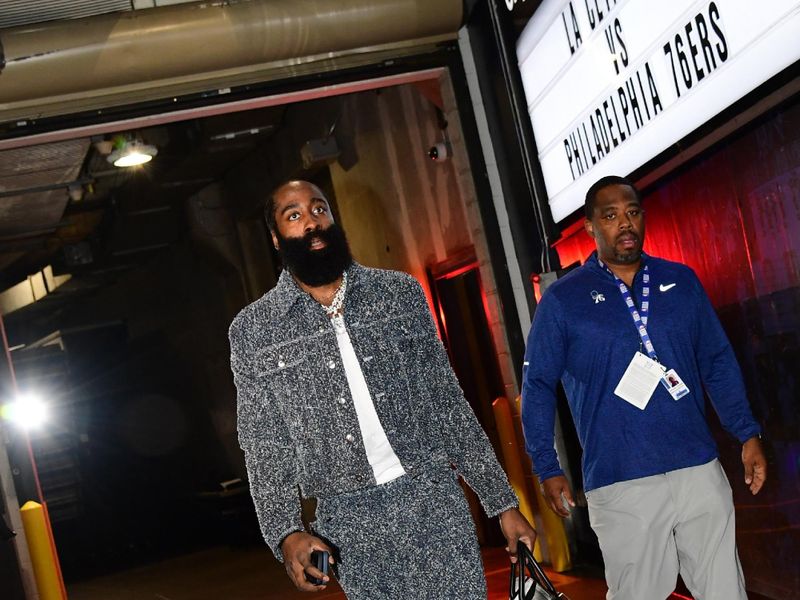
458	271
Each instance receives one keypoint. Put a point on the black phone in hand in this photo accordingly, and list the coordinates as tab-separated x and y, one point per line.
319	559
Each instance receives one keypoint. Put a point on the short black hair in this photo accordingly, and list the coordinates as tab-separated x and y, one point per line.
269	204
591	195
269	208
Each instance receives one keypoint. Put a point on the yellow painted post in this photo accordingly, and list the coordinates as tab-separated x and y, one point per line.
557	544
514	469
42	551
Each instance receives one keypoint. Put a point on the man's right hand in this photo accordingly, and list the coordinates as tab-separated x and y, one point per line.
297	548
553	488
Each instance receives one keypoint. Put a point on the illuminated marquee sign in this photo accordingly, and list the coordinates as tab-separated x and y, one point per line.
612	84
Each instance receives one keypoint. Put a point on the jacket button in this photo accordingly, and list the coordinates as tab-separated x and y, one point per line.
350	438
321	329
281	364
331	364
359	478
342	401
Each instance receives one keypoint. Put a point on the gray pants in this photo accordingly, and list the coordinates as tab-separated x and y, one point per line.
412	538
653	528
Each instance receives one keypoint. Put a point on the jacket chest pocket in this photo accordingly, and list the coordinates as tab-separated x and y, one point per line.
393	348
290	372
281	361
410	343
387	342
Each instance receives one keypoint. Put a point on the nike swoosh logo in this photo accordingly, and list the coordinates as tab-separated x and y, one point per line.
666	288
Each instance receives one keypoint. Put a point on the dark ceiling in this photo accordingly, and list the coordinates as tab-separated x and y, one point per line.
121	212
124	218
64	204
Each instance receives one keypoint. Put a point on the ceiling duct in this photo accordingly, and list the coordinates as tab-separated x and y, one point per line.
63	67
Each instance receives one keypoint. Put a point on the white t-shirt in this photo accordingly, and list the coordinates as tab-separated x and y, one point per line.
384	462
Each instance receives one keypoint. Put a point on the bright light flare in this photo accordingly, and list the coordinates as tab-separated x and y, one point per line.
132	154
133	159
26	411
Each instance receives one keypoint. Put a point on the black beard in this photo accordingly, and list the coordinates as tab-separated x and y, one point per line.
633	255
316	267
627	259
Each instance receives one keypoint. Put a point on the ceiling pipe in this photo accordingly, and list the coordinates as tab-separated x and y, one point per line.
52	67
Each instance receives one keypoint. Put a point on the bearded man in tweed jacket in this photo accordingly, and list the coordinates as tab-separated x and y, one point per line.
345	394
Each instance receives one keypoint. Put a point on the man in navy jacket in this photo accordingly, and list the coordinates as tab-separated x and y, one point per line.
635	342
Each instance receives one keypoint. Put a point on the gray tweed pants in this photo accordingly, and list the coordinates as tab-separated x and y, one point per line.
409	539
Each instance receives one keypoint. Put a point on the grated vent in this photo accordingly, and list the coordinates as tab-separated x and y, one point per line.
14	13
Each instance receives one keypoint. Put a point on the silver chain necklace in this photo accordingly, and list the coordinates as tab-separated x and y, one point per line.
337	304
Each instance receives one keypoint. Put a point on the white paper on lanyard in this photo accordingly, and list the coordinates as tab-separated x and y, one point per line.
640	380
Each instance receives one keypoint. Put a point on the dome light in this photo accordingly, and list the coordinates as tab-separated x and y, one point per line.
132	153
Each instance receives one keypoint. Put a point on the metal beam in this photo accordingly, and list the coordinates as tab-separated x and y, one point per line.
212	110
11	504
45	188
8	493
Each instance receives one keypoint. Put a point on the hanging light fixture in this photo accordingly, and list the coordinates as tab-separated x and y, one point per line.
130	153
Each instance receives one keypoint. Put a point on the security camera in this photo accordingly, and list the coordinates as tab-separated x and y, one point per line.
439	152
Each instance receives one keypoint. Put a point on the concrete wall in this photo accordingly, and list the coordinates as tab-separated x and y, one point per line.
400	209
403	211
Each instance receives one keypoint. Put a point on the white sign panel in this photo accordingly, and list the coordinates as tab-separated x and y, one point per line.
611	84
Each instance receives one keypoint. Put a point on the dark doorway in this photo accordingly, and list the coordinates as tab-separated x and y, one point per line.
460	306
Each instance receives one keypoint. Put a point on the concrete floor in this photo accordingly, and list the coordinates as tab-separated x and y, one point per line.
253	574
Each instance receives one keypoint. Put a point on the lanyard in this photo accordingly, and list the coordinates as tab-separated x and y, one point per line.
639	316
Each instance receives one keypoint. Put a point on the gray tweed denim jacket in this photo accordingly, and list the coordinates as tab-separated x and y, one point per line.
297	424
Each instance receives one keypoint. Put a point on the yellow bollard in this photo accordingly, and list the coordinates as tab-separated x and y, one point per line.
42	551
513	464
557	544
